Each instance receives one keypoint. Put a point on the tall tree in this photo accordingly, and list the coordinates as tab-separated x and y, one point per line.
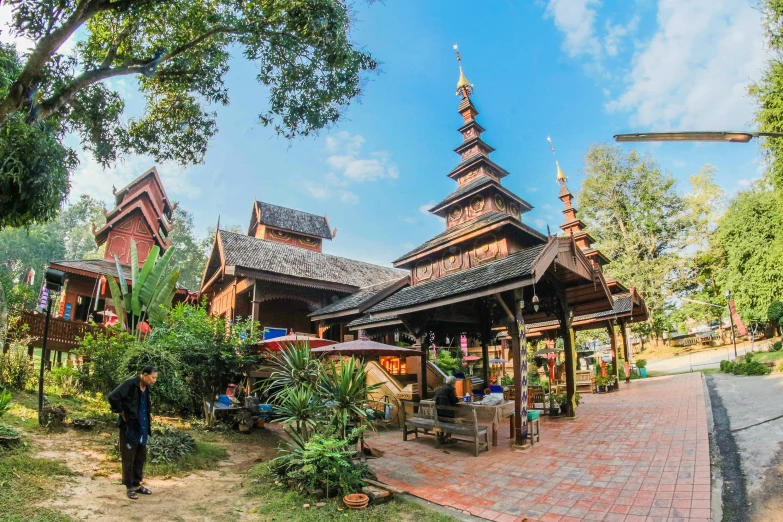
192	251
178	50
639	220
747	241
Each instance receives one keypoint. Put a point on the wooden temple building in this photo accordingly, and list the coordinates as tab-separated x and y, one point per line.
142	213
489	271
277	273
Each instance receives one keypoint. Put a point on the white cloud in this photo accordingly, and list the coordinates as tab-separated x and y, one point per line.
540	223
92	179
616	33
425	208
576	20
409	220
317	191
694	72
349	197
347	160
532	189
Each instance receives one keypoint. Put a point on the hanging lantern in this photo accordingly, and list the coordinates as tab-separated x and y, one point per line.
103	284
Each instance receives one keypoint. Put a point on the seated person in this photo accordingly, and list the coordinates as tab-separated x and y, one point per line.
446	395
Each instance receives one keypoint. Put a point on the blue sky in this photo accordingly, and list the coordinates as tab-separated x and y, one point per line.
579	71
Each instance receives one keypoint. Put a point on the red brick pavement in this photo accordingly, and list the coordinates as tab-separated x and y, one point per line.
640	454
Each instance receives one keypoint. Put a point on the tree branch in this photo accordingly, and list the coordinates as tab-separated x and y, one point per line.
112	52
56	102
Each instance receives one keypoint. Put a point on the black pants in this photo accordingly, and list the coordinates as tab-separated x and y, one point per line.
133	458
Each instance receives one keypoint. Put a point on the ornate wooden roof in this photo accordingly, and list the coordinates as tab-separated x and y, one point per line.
288	219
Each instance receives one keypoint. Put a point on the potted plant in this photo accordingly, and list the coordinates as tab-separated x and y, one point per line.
245	420
601	383
562	400
554	404
641	364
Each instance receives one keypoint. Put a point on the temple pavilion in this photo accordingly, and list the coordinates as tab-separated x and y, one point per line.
489	271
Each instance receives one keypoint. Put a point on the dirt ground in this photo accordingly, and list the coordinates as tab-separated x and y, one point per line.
96	493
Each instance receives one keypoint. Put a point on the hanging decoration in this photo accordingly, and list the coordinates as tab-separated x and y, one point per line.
30	277
463	343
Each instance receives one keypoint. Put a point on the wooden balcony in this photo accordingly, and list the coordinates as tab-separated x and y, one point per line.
63	335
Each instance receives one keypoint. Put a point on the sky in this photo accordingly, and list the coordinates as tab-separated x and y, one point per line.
579	71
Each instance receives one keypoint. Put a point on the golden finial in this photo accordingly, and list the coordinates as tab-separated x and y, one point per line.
464	87
561	177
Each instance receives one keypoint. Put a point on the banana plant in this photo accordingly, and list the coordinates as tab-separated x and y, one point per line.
151	292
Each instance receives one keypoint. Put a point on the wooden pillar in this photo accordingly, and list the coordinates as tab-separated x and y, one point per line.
613	344
486	332
423	342
30	350
59	358
626	352
570	368
516	329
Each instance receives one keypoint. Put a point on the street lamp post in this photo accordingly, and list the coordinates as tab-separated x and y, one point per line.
731	320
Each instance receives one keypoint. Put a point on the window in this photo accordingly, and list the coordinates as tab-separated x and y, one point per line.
394	365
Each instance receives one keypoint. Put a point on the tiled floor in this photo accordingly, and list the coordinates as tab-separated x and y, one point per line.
640	454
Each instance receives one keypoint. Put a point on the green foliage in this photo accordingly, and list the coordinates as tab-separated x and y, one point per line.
294	366
191	251
171	392
5	401
299	408
446	361
151	291
322	462
747	241
641	363
67	380
104	353
345	393
178	52
167	444
748	366
16	368
506	380
775	311
212	351
776	346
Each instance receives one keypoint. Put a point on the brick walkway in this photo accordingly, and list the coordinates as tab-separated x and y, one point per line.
640	454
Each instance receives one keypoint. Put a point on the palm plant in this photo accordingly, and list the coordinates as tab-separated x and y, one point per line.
345	391
292	367
299	409
151	291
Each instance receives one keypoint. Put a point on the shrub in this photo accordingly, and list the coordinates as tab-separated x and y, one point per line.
104	352
67	380
16	368
776	346
641	363
170	391
169	444
5	401
323	462
447	362
775	311
746	367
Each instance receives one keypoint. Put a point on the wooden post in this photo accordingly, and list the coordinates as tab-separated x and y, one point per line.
59	358
570	369
486	331
516	330
422	342
613	344
626	352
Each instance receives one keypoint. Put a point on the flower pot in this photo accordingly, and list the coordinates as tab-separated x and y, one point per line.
602	389
260	423
554	412
643	372
243	428
563	409
356	501
9	440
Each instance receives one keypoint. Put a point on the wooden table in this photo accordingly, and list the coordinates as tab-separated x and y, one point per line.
488	414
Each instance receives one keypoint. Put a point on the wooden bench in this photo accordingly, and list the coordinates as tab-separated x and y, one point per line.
426	419
585	381
421	418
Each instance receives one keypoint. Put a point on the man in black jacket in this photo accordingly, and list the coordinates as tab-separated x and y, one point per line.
132	401
446	395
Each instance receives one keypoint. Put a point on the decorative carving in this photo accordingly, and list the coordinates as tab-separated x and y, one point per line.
423	270
282	236
513	209
500	203
455	213
468	177
485	248
452	259
477	204
308	241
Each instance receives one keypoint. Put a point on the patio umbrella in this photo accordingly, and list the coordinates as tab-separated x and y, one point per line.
278	343
365	348
471	358
545	351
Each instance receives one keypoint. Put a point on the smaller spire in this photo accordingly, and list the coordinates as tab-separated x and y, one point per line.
464	87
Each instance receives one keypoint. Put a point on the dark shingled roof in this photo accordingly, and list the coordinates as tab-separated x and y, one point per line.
467	227
515	266
476	158
369	318
477	184
293	220
623	303
101	267
354	300
279	258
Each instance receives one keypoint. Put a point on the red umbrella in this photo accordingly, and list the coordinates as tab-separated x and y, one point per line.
471	358
298	339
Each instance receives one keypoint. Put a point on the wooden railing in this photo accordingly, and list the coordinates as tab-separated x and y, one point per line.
62	333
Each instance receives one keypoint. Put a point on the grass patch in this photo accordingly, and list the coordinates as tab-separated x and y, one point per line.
26	481
765	357
205	456
278	503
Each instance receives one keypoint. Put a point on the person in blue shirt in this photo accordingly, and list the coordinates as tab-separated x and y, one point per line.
132	401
